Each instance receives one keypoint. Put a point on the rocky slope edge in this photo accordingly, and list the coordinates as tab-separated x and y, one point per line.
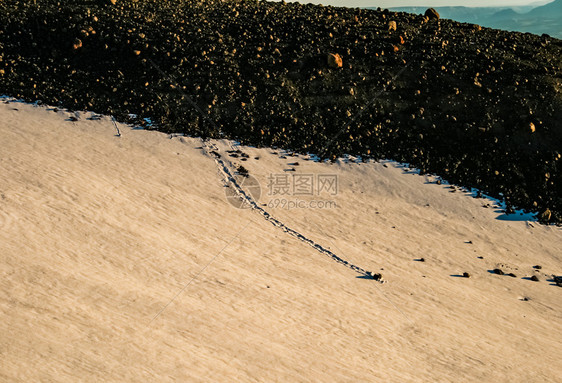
478	106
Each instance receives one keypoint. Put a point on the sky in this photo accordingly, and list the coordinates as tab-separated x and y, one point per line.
424	3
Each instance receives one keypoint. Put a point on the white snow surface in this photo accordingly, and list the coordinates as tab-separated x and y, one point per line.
123	259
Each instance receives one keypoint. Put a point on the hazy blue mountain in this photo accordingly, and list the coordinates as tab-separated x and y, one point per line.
551	10
463	14
535	19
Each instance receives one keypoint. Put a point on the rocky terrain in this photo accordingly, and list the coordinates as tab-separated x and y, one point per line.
478	106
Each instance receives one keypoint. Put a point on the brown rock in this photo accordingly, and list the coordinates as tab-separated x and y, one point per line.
392	25
432	14
335	60
77	44
545	215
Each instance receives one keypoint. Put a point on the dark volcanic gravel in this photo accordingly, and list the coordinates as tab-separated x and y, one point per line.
480	107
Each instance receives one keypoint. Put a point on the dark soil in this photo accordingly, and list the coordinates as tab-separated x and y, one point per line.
478	106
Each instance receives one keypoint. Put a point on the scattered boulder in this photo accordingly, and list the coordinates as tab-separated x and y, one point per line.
242	171
545	216
335	60
392	25
375	276
511	275
534	278
466	275
538	267
432	14
77	44
497	271
557	280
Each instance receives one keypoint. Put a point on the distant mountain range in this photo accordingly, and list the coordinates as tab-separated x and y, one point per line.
541	19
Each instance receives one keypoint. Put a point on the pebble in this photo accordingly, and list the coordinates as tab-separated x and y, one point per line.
432	14
335	60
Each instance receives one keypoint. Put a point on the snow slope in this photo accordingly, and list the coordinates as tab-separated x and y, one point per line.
122	259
